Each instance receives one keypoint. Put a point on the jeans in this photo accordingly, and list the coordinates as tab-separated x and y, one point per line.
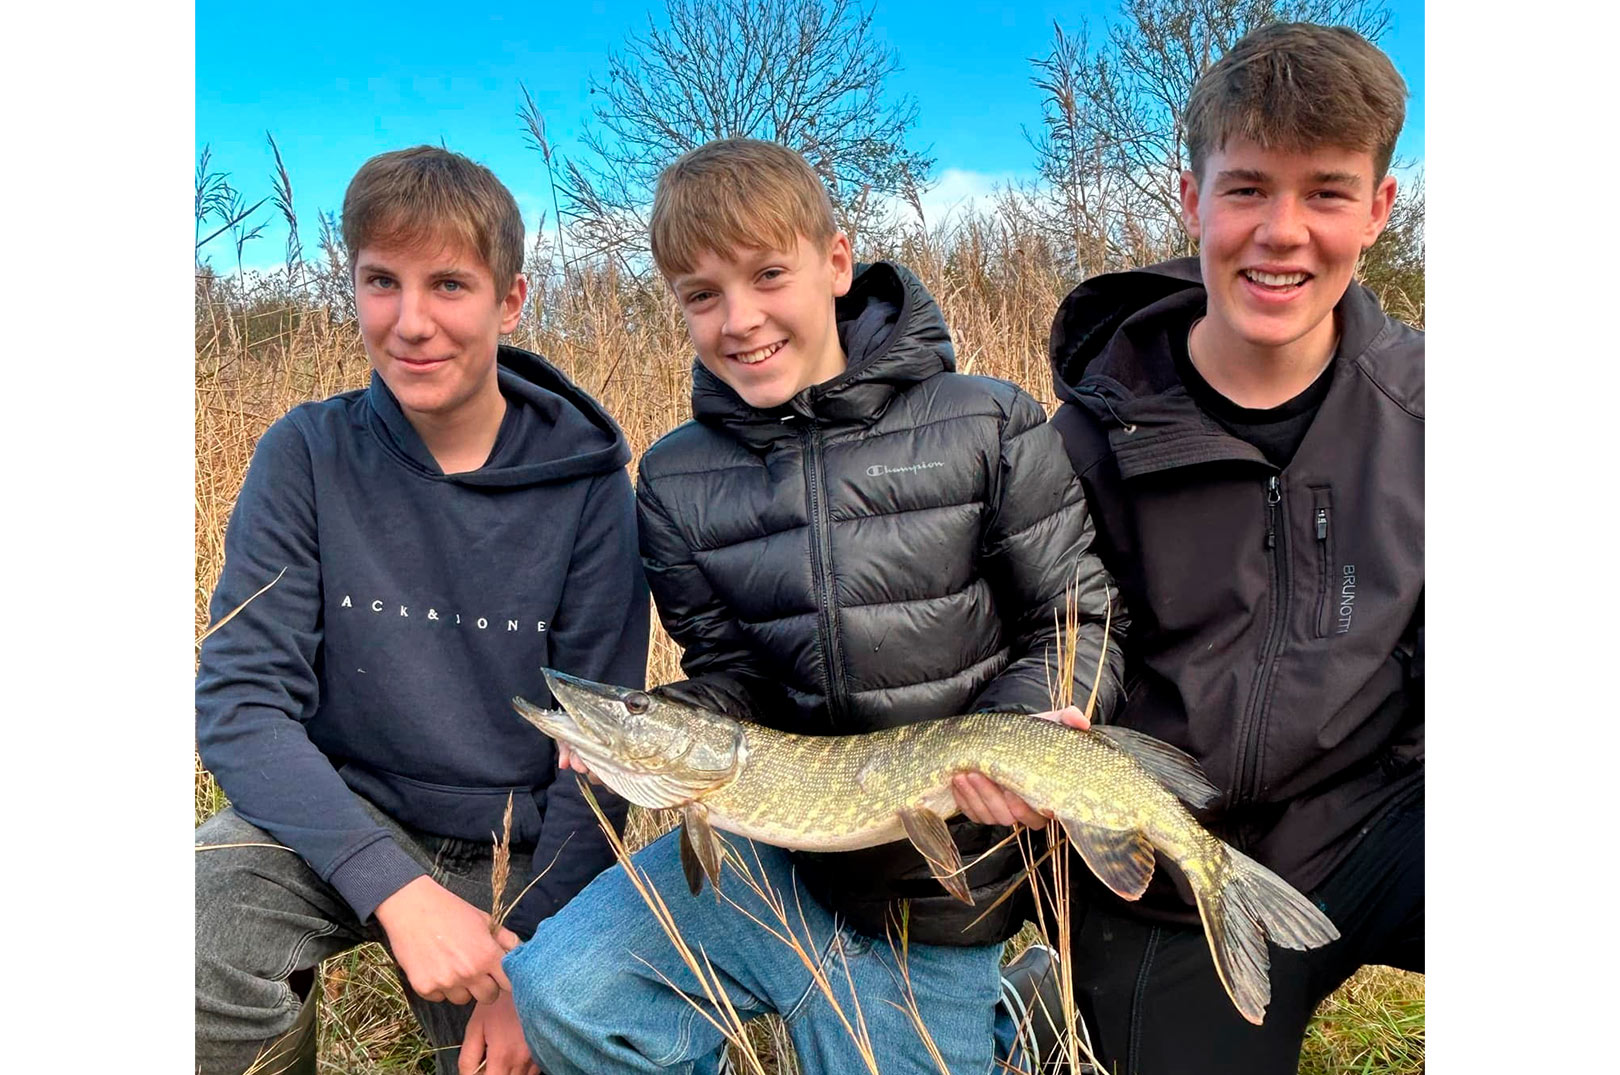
263	914
600	987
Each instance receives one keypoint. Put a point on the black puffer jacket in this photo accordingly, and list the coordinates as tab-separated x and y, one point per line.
886	547
1276	616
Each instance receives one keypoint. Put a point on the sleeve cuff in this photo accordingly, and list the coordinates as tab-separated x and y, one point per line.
374	873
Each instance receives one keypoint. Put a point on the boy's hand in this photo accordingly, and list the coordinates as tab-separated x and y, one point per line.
443	945
495	1040
567	759
983	800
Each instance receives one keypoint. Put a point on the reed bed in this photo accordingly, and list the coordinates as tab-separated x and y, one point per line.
264	348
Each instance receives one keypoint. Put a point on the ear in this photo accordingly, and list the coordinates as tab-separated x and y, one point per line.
843	263
1383	200
512	303
1189	203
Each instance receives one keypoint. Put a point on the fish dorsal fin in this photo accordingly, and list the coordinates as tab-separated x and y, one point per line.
1122	859
700	849
1173	768
932	837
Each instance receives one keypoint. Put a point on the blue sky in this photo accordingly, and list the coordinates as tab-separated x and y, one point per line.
337	84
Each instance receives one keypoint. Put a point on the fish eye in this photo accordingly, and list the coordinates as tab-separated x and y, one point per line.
637	702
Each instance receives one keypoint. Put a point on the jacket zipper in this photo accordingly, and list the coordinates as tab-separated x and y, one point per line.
1254	724
1321	503
821	570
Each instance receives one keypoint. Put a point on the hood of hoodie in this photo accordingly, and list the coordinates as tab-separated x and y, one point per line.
893	336
552	430
1110	354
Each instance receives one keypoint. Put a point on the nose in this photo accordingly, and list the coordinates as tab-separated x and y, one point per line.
1284	223
415	320
743	315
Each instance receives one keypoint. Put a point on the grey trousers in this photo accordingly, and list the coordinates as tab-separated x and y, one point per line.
263	915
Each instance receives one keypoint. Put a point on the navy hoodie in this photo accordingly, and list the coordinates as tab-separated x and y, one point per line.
410	607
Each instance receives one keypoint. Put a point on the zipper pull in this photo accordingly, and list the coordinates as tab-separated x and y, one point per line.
1321	524
1273	494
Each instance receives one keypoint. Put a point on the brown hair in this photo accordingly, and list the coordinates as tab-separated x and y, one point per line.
429	194
736	192
1298	86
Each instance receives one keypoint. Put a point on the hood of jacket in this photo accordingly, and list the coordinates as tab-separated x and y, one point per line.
894	336
1110	354
552	432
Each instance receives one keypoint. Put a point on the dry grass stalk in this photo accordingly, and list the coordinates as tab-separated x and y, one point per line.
500	869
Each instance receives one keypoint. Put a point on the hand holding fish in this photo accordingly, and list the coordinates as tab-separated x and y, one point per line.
443	943
983	800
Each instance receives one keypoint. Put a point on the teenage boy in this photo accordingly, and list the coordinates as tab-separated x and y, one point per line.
401	561
1248	426
848	536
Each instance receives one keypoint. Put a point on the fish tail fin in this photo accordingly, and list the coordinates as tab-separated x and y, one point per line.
1247	907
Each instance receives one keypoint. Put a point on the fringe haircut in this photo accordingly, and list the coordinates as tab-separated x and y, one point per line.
425	195
1298	86
736	192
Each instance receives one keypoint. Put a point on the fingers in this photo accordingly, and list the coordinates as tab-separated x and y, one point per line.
506	939
1070	715
983	800
472	1045
486	990
1073	717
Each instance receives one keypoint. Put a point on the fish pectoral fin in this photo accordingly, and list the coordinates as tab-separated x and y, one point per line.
700	849
932	837
1122	859
1175	769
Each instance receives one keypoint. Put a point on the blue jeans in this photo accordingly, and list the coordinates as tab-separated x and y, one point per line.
591	984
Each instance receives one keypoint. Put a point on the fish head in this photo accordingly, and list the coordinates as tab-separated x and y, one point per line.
652	751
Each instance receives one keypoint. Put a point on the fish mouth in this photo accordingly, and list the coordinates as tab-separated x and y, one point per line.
593	721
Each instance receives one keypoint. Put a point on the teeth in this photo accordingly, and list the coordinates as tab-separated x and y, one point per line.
1276	279
760	354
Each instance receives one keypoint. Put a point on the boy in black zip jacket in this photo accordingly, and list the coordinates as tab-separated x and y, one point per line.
401	561
847	536
1248	427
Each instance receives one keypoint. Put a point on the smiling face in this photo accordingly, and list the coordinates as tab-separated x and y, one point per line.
431	318
763	320
1279	235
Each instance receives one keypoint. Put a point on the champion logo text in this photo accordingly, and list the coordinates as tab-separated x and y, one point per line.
878	470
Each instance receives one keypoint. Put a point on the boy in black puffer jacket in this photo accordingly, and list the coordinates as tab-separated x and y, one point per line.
847	536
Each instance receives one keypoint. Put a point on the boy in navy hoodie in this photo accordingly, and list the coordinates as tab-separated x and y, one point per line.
403	560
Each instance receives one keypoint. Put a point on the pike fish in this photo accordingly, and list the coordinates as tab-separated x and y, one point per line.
1118	793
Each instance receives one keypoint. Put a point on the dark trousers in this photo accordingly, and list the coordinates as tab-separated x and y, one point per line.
1150	996
263	916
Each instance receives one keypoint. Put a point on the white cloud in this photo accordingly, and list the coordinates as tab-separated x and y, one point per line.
958	191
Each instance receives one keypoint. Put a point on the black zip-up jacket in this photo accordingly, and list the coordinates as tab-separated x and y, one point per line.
886	547
1276	615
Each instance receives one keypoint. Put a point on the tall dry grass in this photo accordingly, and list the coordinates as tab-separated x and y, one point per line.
263	348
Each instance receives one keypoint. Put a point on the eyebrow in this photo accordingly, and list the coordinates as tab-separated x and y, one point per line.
456	272
1251	175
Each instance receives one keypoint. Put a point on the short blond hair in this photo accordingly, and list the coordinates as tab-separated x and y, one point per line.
430	195
736	192
1299	86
